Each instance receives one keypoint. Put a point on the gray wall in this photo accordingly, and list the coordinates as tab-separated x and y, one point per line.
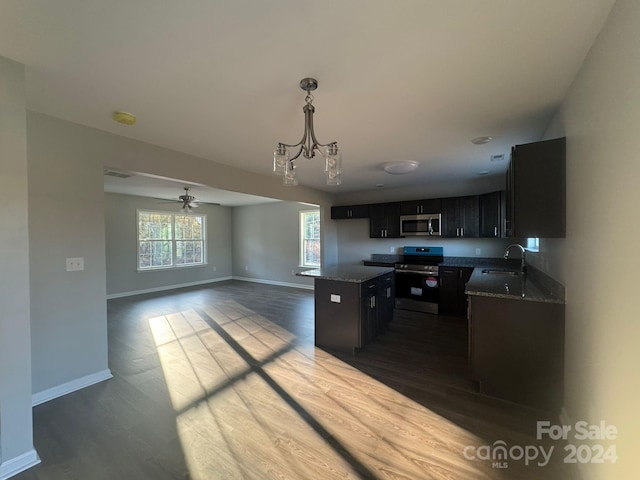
16	432
266	240
600	117
66	219
121	246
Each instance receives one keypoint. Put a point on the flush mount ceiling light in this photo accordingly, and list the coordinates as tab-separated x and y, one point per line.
124	118
283	162
400	167
481	140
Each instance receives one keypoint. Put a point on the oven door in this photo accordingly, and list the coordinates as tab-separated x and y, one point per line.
417	291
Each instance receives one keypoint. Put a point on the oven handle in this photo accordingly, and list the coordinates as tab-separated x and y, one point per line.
418	272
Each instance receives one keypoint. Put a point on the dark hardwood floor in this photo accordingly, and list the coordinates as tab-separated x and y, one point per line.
224	382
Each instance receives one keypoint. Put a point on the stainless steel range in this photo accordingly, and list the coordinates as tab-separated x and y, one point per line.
418	280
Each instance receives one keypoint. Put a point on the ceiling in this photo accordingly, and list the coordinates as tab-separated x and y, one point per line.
131	183
398	80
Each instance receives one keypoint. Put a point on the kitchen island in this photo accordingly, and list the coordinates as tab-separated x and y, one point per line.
353	304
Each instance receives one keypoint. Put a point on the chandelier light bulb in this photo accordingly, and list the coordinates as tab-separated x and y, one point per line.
290	178
280	159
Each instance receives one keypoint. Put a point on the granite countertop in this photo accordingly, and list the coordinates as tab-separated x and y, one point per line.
346	273
533	286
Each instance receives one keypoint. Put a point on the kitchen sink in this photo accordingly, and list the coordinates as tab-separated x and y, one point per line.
498	271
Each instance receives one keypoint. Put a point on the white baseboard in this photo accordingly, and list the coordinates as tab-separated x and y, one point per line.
72	386
13	466
167	287
274	282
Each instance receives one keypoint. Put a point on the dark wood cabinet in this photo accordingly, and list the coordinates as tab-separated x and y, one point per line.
492	214
517	350
349	211
348	315
416	207
460	216
384	220
453	300
536	190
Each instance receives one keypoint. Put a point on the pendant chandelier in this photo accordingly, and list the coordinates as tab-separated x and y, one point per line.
283	161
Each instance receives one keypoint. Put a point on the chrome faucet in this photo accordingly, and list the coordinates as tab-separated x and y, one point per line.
522	254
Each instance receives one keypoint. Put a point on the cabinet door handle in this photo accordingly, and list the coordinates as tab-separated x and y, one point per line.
388	292
495	231
462	232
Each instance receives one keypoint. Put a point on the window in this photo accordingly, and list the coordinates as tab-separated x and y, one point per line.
310	238
167	240
533	244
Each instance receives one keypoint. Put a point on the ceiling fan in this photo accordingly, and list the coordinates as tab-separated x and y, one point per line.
188	201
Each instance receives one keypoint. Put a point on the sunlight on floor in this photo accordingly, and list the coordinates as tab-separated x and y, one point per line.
251	403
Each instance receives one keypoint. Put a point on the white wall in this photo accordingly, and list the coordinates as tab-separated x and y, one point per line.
266	240
121	246
601	118
16	430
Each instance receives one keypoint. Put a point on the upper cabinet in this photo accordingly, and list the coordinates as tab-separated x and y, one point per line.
384	220
492	214
536	186
350	211
460	216
416	207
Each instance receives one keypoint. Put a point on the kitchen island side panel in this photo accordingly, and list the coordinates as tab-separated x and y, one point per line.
337	324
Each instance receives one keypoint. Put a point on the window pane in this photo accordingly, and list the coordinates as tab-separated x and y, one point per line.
188	252
312	252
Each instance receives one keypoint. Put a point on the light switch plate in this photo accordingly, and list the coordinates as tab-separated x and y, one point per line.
75	264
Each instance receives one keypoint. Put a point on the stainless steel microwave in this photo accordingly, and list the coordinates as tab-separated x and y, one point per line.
425	224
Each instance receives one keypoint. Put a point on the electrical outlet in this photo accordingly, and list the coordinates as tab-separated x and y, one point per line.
392	249
478	252
246	267
75	264
215	268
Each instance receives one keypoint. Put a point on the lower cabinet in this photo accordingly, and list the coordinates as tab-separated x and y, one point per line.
516	350
453	300
348	315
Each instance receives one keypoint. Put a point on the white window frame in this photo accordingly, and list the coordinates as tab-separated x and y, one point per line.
302	215
173	241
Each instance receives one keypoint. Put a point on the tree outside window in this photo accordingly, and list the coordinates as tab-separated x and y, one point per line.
167	240
310	238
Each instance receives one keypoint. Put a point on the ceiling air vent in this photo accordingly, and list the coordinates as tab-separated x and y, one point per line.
113	173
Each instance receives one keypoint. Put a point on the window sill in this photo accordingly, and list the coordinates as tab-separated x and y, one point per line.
173	267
